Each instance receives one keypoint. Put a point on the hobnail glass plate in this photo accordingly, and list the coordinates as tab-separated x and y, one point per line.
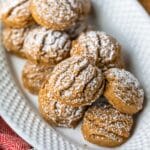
129	23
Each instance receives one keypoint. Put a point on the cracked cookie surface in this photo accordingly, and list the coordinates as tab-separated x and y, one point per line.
47	46
59	15
123	91
13	40
57	113
34	75
105	126
76	82
16	13
102	49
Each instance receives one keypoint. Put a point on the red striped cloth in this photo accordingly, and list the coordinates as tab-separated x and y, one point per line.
9	140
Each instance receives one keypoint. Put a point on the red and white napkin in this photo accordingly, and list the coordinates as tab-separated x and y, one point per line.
9	140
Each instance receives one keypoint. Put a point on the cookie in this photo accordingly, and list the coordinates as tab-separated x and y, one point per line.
59	15
47	46
146	4
16	13
34	75
105	126
102	49
123	91
76	82
56	113
13	40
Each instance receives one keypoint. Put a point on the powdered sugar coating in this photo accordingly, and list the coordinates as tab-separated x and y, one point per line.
106	126
34	75
47	46
13	40
59	15
76	82
56	113
103	49
126	87
16	13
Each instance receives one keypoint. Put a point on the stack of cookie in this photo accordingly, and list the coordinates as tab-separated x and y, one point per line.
77	72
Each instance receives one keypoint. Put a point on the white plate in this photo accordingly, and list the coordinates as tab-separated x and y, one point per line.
19	108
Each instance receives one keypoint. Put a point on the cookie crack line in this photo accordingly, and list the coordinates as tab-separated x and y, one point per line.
66	69
90	80
43	41
101	88
93	78
98	49
111	135
74	79
119	118
69	3
12	9
111	125
24	32
107	131
52	33
64	44
60	73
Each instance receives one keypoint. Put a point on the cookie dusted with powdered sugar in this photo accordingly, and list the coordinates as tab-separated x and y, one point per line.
56	113
16	13
123	91
102	49
76	82
105	126
59	15
34	75
13	40
47	46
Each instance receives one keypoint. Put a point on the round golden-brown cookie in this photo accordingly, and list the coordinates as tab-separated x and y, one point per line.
59	15
102	49
56	113
123	91
34	75
46	46
76	82
105	126
13	40
16	13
